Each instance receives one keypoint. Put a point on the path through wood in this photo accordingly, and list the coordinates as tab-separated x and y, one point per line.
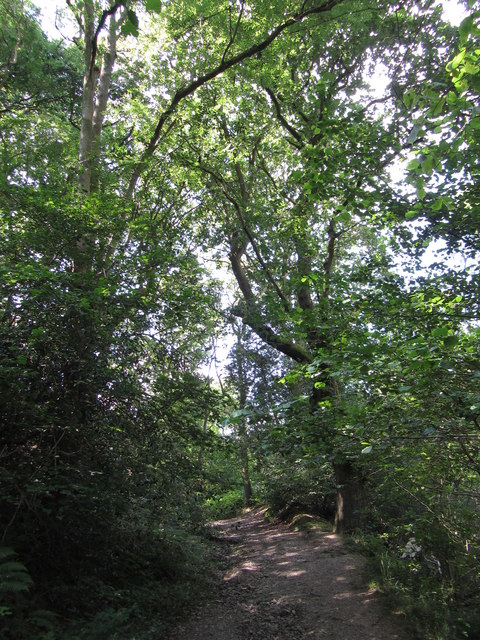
284	584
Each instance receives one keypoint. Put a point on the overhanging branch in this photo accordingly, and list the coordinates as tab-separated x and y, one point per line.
283	120
224	65
252	317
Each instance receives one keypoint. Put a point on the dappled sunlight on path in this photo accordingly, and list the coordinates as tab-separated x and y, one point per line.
283	584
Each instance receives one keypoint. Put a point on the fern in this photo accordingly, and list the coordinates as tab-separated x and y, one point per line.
6	552
14	576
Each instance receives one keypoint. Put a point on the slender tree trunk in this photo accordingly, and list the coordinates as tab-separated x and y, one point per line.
247	484
88	100
101	98
242	430
96	87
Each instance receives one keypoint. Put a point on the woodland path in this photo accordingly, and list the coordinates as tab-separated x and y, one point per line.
283	584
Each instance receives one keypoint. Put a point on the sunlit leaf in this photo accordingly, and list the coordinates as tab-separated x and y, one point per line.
130	26
465	28
155	6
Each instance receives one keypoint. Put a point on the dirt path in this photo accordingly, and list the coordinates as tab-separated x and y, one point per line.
288	585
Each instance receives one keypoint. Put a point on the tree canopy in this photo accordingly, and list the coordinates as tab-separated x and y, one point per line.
273	172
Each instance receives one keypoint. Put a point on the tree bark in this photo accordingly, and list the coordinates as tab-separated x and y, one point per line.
88	99
101	100
247	485
252	316
242	430
350	498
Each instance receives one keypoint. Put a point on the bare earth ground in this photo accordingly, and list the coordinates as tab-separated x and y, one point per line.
283	584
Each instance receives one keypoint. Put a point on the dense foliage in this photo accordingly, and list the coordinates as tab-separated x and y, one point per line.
301	177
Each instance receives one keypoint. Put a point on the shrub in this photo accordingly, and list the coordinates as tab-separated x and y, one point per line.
226	505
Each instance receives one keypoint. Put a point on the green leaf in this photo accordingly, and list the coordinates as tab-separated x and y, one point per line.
413	134
15	586
14	576
427	165
452	98
470	68
421	193
408	99
451	341
367	450
155	6
413	164
130	27
369	349
457	61
465	29
344	216
440	332
438	108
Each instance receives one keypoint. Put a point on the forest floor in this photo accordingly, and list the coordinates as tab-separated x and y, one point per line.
285	584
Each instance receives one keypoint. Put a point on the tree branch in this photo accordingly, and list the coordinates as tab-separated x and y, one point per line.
224	65
304	268
328	263
234	35
190	28
101	23
244	195
252	317
283	121
270	278
77	16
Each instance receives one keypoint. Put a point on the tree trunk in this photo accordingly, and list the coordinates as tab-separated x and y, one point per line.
247	485
350	498
242	428
88	100
96	86
101	99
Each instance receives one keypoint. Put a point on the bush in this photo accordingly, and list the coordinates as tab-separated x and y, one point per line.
150	582
424	555
300	488
226	505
